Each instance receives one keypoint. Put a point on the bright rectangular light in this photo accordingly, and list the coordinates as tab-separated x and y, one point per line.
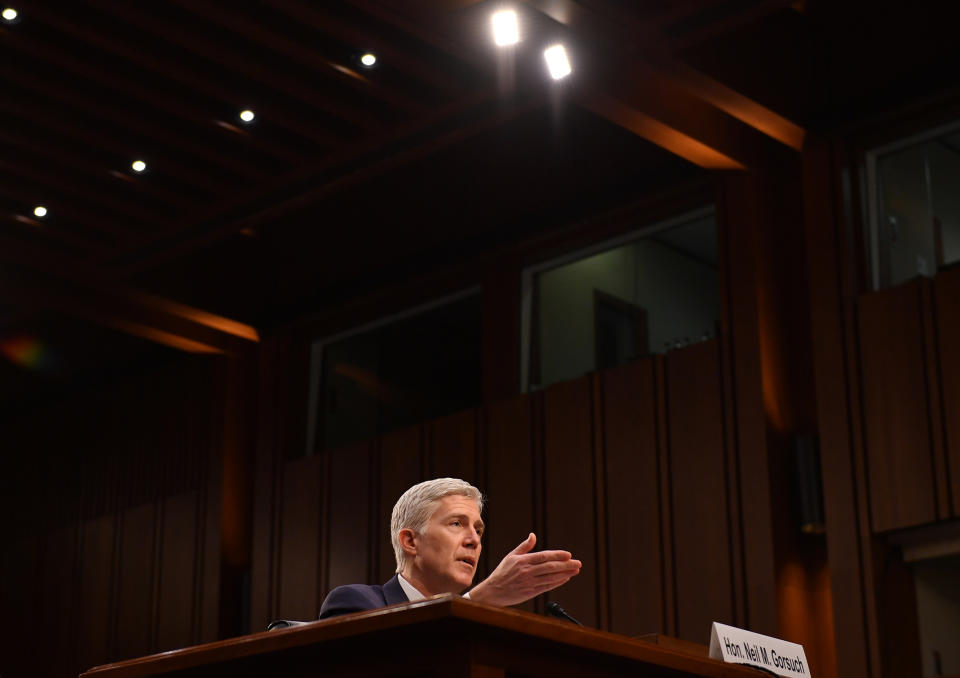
557	61
505	29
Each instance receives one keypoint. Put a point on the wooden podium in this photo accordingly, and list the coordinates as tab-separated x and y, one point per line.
441	636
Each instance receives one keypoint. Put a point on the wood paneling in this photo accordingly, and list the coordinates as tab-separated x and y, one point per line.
632	499
56	605
635	452
510	493
96	591
349	516
300	540
748	220
896	408
453	447
20	644
126	486
177	579
833	284
401	466
701	533
947	309
134	616
569	500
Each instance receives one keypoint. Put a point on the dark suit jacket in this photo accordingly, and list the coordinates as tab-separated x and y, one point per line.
360	597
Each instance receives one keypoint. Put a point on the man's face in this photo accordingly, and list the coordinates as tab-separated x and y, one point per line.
448	550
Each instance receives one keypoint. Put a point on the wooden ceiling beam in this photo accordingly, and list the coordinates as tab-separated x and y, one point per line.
279	210
180	73
85	246
341	74
156	133
639	100
83	294
90	175
59	191
200	44
398	17
654	74
153	251
317	17
726	24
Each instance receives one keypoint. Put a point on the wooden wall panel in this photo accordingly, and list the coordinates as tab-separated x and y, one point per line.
569	500
121	534
55	606
349	516
947	309
833	282
453	447
632	499
177	579
20	644
701	534
209	522
896	408
96	591
510	491
401	466
299	540
135	576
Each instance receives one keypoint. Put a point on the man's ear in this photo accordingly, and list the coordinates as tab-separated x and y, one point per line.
408	541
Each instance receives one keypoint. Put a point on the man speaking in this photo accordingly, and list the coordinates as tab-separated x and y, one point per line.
436	530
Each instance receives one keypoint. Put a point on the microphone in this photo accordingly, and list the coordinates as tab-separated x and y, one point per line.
554	608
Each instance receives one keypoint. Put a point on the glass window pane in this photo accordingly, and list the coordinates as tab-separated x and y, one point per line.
416	368
647	296
918	229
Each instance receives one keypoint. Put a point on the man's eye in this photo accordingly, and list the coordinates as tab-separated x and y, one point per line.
456	523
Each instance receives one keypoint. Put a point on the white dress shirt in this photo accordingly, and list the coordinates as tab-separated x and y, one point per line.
412	593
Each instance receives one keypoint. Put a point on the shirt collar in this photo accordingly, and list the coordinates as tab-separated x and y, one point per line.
408	588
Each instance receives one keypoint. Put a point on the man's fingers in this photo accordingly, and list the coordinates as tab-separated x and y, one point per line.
553	566
526	545
548	556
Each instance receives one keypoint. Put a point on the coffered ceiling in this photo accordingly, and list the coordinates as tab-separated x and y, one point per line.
351	175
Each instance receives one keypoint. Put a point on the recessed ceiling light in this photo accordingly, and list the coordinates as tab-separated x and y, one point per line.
40	211
9	14
505	29
247	115
138	166
557	61
368	60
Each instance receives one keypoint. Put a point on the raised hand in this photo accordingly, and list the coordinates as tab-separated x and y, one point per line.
523	574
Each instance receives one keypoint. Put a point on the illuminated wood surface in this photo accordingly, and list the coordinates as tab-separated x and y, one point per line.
443	635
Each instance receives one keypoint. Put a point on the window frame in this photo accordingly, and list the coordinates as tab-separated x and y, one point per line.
871	160
317	347
529	272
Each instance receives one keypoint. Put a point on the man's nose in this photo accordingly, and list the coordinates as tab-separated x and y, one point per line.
472	538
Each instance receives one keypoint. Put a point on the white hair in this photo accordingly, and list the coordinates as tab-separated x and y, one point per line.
415	507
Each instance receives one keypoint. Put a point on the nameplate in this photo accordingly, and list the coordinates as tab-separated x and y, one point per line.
737	646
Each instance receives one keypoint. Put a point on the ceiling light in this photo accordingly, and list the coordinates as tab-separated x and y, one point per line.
368	60
138	166
40	211
557	62
505	30
9	14
247	115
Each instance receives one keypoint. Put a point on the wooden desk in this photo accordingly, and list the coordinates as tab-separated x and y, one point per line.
441	636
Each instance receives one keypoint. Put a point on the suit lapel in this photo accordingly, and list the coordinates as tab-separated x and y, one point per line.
393	592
